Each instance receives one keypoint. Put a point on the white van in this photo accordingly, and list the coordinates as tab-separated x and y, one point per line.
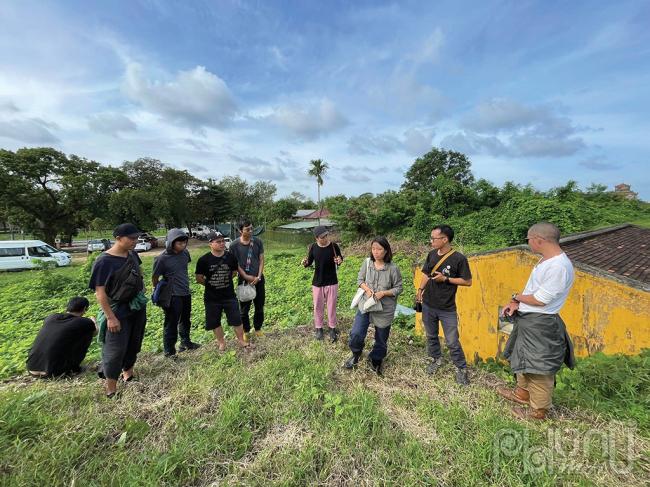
23	254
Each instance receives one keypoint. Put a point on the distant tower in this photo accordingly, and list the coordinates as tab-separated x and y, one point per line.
623	191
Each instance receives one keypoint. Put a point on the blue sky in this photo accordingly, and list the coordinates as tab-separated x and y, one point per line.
538	92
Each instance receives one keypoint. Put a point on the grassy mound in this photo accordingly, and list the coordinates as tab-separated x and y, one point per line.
288	414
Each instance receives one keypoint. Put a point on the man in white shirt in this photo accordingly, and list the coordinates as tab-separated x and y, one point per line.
539	343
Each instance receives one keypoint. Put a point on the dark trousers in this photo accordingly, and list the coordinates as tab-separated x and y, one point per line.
120	350
430	318
358	337
177	322
258	316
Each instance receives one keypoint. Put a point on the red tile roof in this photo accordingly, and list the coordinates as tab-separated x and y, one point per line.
324	213
623	251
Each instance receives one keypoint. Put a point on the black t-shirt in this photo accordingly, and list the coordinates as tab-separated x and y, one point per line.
64	339
218	275
324	266
442	295
103	268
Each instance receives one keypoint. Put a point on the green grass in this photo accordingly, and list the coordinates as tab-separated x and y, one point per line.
285	414
288	414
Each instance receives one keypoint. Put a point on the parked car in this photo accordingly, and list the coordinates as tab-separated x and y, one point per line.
143	245
151	239
99	245
201	232
25	254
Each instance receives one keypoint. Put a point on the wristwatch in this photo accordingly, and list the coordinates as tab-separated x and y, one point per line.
514	297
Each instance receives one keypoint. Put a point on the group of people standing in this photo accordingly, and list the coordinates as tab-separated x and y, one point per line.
537	348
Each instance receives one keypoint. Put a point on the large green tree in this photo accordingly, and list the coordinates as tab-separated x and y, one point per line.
48	193
437	163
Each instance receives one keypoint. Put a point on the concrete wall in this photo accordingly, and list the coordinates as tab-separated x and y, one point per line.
601	313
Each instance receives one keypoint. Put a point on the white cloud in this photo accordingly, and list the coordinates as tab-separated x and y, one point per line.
309	120
418	141
413	141
29	130
502	127
196	98
111	123
259	168
598	163
7	106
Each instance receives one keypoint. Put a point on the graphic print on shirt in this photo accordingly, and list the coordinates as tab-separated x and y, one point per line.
220	275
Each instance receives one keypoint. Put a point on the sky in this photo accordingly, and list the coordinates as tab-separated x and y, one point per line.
537	92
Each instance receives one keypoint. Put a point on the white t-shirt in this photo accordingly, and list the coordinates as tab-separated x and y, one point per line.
550	283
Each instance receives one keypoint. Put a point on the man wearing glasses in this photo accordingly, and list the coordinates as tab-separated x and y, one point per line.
444	270
539	343
249	252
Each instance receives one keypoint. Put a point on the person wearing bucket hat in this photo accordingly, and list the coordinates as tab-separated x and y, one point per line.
326	257
215	271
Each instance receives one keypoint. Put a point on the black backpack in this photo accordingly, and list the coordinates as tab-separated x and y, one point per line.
126	282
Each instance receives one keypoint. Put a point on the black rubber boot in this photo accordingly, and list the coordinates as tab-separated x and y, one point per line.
352	362
376	365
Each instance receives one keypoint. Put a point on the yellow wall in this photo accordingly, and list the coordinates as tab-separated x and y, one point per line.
601	314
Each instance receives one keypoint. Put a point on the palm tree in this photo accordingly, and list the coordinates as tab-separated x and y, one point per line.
318	169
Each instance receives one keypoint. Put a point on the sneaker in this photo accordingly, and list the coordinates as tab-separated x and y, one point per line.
352	362
462	377
319	334
259	333
188	346
171	355
334	335
434	365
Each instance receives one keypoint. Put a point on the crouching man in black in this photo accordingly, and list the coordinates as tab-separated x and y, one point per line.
62	343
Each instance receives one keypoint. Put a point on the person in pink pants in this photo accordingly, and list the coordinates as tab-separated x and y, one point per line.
326	257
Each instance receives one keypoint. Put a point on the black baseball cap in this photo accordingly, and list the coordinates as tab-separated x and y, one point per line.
320	230
126	230
214	236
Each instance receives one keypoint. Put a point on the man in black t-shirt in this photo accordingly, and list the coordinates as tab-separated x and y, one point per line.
444	270
215	271
113	288
62	343
326	257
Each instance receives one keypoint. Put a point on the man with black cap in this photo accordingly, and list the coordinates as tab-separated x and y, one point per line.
326	256
172	266
215	271
117	281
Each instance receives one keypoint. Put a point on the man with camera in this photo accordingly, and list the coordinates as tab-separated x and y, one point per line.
444	270
539	343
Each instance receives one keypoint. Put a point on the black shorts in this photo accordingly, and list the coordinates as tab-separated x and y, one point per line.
214	309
